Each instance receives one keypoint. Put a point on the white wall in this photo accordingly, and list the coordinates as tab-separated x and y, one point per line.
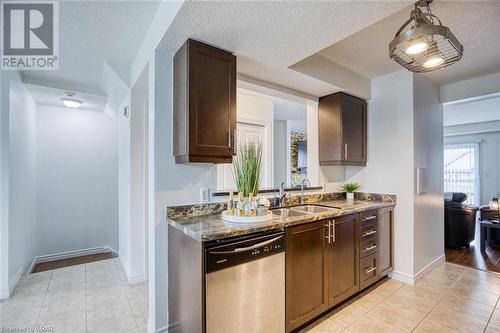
77	162
470	89
22	177
390	164
489	160
428	145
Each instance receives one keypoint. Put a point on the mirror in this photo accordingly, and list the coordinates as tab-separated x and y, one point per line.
280	127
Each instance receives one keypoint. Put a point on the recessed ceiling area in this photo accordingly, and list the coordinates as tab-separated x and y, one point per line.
270	36
52	96
474	23
475	111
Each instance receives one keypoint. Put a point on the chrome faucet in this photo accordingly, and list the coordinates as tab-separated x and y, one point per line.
305	180
282	194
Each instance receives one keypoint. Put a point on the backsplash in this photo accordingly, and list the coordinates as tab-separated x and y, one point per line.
218	207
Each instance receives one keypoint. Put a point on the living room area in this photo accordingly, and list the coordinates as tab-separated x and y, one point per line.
471	173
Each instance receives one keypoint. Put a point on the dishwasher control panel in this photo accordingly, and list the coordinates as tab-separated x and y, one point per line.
244	250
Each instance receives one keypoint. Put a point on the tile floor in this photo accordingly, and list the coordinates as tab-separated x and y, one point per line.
96	298
452	298
93	297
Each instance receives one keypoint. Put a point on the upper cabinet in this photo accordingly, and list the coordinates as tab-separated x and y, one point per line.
342	130
204	116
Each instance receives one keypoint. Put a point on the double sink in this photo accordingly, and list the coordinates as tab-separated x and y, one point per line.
303	210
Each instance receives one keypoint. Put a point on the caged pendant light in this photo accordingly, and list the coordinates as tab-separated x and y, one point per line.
424	46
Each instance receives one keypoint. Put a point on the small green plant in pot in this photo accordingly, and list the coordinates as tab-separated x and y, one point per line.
349	189
247	166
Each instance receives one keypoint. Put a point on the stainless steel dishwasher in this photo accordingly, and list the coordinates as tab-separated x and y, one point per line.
245	284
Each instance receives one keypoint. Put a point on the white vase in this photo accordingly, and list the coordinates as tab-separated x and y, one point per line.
350	196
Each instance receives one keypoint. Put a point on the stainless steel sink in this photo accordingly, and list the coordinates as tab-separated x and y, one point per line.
313	209
287	212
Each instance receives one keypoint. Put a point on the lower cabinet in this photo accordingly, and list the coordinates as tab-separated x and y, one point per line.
331	260
306	273
343	254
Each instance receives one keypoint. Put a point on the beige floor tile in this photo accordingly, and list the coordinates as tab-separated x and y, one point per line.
492	329
495	318
369	323
17	315
73	273
489	285
388	288
401	318
324	326
421	291
63	319
369	301
474	294
110	316
428	326
36	278
455	320
437	282
479	274
412	303
348	315
469	307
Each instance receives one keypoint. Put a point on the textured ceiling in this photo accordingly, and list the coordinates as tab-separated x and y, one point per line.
270	36
94	32
475	23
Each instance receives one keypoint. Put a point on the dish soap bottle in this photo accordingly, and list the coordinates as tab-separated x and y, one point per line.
230	204
240	207
251	205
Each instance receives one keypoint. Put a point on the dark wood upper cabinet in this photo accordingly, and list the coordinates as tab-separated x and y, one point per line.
343	258
204	115
306	273
342	130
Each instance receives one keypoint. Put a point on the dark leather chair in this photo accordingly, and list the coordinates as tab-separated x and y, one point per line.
459	221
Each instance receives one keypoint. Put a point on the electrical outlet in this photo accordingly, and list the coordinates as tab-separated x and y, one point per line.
205	195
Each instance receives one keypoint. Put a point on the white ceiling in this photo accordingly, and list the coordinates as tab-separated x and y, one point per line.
476	24
268	37
475	111
94	32
52	96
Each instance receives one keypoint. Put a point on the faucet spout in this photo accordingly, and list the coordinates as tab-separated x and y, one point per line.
304	181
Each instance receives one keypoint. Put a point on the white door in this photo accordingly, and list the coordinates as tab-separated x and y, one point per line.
249	133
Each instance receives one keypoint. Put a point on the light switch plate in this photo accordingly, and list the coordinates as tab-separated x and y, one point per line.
205	195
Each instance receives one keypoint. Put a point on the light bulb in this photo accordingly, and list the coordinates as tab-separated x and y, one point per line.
433	62
416	48
71	103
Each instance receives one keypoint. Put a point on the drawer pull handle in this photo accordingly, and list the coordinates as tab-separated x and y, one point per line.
368	233
370	218
370	248
369	270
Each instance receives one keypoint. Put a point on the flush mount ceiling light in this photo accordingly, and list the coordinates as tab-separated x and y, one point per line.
69	101
424	46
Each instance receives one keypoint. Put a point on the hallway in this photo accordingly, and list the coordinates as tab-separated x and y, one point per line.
93	297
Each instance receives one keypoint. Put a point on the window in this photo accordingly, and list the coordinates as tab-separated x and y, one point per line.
461	170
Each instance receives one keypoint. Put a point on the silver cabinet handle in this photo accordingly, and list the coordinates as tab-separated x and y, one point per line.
333	233
368	218
368	233
329	232
369	270
232	144
345	151
370	248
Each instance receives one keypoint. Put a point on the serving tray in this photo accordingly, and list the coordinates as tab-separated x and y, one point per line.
246	219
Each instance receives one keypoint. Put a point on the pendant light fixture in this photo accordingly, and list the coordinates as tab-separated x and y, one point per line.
422	46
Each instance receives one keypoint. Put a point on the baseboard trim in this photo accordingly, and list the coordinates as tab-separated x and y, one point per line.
70	254
408	279
430	267
151	329
136	279
4	294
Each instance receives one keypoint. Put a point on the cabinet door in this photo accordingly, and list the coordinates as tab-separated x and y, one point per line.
306	273
212	103
343	258
385	230
354	129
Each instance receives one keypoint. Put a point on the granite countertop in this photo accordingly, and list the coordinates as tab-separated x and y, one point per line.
212	227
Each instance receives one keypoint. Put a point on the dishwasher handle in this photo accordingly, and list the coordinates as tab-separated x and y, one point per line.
248	248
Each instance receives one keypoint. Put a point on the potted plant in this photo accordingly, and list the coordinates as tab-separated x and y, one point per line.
349	189
247	168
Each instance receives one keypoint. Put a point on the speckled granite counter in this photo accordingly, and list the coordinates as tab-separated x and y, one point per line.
211	226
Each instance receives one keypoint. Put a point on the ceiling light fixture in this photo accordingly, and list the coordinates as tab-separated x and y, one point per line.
425	46
69	101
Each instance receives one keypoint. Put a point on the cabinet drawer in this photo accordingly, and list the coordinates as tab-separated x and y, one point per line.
368	247
368	232
369	217
368	272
